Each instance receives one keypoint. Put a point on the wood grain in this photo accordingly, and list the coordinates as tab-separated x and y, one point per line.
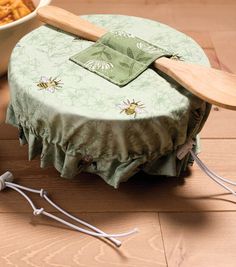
4	98
69	22
212	85
39	241
8	131
211	54
196	226
225	49
87	192
199	16
202	38
180	2
199	239
220	124
162	12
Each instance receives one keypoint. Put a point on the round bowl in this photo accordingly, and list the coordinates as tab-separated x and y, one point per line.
10	33
67	122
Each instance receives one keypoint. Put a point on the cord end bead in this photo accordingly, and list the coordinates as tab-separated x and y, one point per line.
6	177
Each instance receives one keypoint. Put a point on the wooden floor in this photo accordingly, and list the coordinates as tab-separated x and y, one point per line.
182	222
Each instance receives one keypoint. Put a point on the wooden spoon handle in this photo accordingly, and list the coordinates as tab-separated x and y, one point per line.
67	21
211	85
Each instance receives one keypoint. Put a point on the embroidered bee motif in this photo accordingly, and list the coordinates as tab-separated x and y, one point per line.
132	108
49	84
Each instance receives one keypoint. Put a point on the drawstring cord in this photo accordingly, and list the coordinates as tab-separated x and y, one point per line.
6	181
7	178
218	179
186	148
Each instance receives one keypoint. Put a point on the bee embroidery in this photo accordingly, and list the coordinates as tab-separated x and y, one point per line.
49	84
132	108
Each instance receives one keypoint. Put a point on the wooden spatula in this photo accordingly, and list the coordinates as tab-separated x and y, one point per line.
214	86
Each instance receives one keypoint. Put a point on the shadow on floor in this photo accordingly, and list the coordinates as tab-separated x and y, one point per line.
89	194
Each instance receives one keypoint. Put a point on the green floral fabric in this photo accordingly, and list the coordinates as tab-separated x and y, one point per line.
78	121
119	56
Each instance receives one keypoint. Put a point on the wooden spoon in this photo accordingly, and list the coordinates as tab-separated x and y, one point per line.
212	85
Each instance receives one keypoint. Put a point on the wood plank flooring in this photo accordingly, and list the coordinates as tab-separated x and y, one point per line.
188	221
37	241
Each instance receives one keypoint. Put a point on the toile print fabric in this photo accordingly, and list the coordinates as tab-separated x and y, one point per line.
80	122
119	56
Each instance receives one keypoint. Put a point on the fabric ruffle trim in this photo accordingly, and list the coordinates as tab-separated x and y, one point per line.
112	170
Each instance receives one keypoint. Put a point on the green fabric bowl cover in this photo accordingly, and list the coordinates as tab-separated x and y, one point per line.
79	121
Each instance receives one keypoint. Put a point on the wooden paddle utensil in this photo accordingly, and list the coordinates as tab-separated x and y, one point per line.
214	86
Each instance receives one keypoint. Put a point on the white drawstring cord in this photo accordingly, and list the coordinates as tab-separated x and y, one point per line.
186	148
212	175
43	194
24	195
210	171
8	177
41	210
118	243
